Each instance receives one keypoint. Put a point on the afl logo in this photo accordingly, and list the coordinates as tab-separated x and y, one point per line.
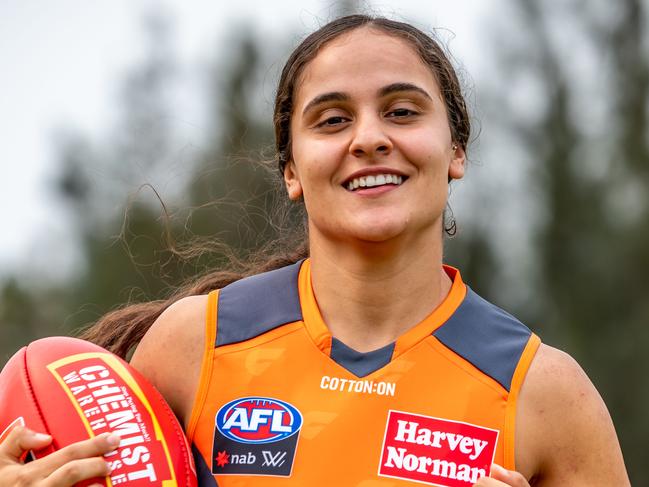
258	420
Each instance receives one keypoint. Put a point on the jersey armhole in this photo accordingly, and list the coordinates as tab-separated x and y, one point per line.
510	413
206	363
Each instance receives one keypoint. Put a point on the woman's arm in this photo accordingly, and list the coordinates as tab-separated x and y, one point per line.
170	353
565	435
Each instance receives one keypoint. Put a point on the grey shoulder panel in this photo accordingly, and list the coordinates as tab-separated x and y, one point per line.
486	336
254	305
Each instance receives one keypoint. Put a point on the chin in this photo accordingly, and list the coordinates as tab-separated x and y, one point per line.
406	230
379	233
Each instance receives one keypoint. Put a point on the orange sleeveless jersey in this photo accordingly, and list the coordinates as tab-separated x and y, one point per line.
281	402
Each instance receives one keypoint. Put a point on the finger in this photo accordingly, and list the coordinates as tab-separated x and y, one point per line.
507	477
93	447
76	471
489	482
20	440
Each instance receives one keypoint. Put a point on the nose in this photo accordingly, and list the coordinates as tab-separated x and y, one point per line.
369	139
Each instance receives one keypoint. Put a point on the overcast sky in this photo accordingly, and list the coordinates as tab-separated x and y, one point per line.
62	62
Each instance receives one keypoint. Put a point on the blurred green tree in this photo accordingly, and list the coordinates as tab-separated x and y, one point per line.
128	247
590	151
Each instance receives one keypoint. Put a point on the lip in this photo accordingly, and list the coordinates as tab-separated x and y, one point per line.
372	171
375	191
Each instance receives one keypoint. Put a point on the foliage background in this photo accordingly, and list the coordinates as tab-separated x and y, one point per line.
553	218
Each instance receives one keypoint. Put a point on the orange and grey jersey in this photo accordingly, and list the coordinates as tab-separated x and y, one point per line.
281	402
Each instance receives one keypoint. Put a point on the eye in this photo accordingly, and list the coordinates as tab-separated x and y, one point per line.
401	113
332	121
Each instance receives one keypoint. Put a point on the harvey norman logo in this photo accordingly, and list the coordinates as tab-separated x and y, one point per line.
436	451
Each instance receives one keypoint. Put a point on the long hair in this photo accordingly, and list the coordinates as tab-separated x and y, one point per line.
121	330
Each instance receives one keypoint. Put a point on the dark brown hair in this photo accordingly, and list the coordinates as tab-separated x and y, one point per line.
120	330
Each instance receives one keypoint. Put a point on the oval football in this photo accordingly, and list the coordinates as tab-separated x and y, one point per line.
75	390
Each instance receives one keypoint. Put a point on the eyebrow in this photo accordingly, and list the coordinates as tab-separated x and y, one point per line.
400	87
324	98
386	90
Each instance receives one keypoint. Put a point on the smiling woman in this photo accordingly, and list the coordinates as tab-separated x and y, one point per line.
367	118
360	358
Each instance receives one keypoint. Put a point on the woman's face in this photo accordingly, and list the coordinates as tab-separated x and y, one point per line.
371	145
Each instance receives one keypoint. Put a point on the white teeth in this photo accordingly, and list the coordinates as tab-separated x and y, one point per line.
375	180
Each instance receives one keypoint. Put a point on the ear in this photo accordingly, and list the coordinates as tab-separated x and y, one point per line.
456	167
292	180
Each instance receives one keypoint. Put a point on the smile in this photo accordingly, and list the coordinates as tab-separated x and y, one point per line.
373	181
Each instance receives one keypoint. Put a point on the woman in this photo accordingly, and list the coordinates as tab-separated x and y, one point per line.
369	363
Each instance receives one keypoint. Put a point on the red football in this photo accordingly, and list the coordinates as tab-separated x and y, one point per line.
74	390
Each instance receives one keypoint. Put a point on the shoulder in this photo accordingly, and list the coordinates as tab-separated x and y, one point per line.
170	353
565	435
486	336
259	303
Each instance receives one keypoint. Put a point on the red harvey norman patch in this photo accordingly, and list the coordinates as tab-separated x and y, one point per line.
436	451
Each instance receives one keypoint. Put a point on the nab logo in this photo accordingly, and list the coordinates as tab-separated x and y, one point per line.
258	420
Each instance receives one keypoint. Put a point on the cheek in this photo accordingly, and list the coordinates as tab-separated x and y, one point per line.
432	140
427	152
315	184
318	163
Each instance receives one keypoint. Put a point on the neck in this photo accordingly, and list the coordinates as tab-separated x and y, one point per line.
369	294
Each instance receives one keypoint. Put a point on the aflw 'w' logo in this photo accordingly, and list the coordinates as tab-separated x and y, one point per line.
276	460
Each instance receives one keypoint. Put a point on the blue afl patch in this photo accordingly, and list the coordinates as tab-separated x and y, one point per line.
255	435
258	420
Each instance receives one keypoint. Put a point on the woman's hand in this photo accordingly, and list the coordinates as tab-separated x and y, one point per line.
501	478
63	468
